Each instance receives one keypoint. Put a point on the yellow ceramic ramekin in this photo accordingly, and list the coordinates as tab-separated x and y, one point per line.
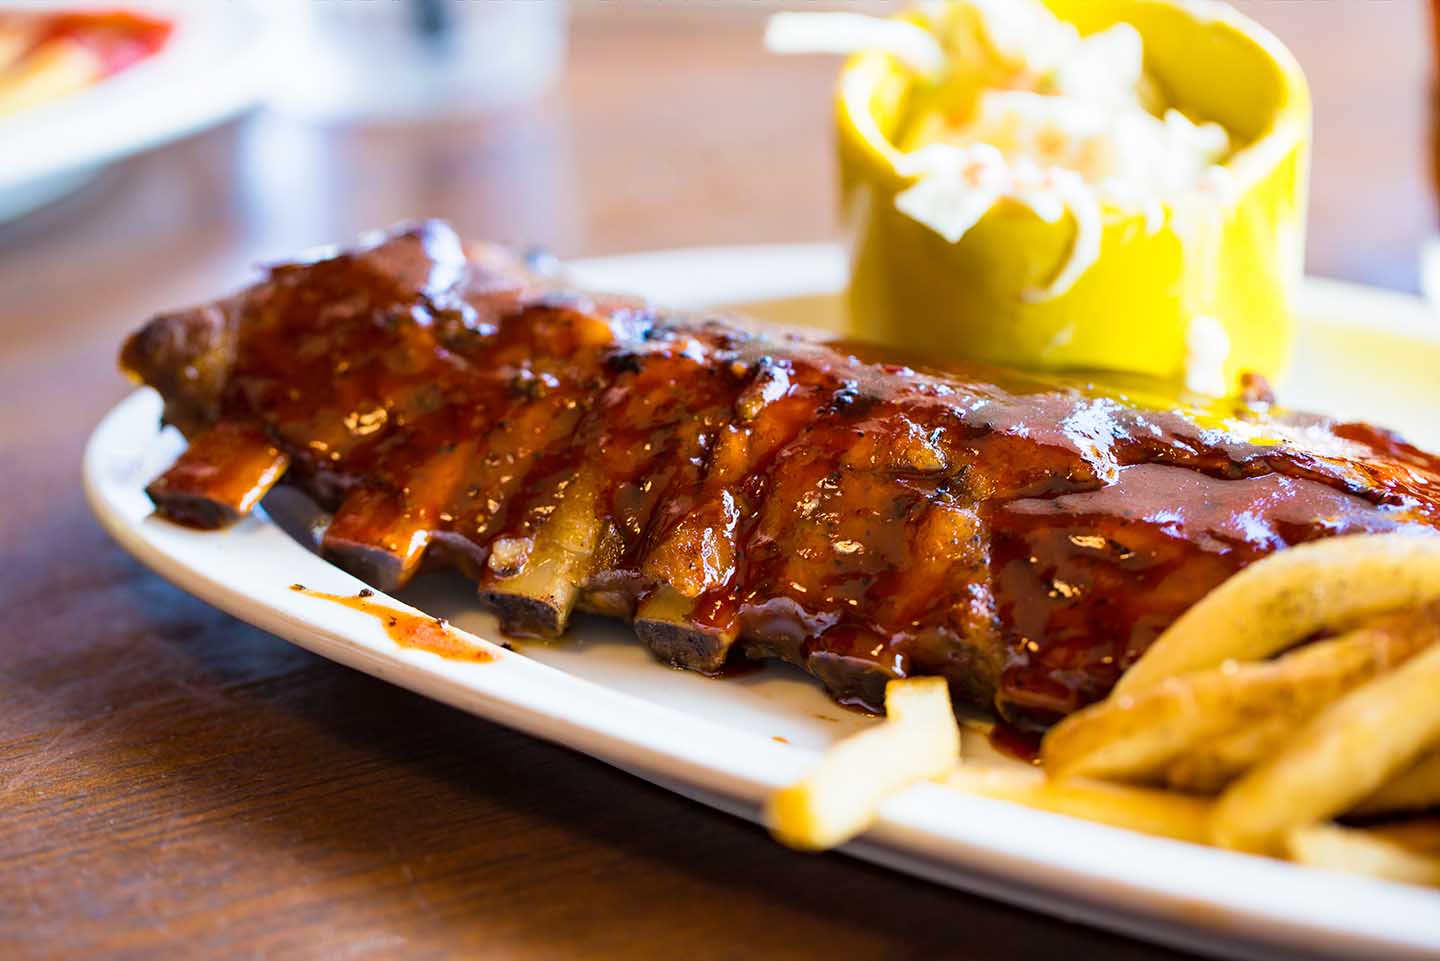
1153	304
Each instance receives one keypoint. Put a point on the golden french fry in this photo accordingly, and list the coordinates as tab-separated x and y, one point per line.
1138	737
1160	813
1207	768
1406	852
1341	757
1415	789
918	739
1288	596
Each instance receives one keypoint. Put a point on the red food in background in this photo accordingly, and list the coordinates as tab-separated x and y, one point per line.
45	57
118	38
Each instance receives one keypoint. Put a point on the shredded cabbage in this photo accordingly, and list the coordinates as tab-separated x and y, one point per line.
1064	123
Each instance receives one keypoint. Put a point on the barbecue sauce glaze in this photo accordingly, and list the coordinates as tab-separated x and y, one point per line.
863	519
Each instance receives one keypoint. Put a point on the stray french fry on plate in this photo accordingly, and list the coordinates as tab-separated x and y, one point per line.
918	740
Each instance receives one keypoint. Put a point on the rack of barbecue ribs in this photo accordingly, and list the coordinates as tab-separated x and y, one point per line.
735	493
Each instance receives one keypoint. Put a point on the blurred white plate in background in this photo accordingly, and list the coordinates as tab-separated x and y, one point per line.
217	63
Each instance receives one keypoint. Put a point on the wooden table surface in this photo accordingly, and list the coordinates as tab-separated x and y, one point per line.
176	784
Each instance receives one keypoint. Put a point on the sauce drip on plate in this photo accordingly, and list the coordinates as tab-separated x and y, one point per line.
415	631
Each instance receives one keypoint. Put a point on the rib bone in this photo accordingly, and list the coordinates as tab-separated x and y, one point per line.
220	477
380	534
532	583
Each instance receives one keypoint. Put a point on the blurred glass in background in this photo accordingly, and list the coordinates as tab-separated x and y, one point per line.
373	59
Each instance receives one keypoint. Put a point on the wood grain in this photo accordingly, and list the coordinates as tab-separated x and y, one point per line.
175	784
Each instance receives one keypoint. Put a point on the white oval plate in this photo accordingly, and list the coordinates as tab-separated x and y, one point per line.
729	742
215	65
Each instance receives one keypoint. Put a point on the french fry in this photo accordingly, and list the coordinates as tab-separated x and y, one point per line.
1340	758
1208	768
1406	852
1248	709
919	739
1288	596
1415	789
1160	813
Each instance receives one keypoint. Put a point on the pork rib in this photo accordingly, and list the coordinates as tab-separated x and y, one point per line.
736	493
